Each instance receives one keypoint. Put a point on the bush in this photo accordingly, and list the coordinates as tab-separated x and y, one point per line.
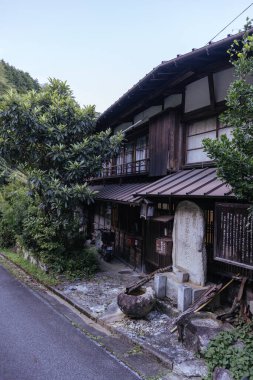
58	244
14	204
7	237
83	263
50	243
40	236
78	264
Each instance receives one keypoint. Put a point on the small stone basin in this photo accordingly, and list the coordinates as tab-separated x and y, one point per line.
138	303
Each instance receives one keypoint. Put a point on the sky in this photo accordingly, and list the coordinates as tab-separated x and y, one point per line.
103	47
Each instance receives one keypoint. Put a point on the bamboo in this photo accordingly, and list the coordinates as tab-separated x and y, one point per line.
143	281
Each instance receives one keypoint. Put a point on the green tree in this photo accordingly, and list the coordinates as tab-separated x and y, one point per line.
10	77
54	141
234	157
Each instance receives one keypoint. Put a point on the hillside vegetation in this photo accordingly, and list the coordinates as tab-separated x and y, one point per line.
10	77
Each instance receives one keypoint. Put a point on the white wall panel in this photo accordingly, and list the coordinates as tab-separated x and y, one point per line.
222	80
122	127
147	113
172	101
197	95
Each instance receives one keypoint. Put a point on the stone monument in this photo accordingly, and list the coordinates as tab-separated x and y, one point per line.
186	282
189	254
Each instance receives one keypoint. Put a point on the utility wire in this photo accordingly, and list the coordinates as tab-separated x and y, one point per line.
230	23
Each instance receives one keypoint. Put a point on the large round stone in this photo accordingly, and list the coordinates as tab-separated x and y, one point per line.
200	328
138	303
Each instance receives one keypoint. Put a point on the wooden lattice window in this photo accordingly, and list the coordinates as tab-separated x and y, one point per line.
233	235
196	132
199	130
141	155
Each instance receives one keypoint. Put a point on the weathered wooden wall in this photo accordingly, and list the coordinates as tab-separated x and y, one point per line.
164	137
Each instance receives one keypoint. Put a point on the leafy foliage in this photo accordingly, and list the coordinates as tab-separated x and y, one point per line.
40	236
23	223
232	350
83	263
53	141
234	156
14	205
4	85
12	78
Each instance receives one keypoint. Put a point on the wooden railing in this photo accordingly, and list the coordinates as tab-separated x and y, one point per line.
126	169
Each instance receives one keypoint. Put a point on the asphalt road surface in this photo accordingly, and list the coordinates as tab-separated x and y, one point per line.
38	343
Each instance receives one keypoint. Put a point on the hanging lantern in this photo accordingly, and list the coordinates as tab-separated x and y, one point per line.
147	209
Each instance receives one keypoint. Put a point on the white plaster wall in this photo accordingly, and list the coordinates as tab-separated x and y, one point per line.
147	113
172	101
197	95
122	127
222	80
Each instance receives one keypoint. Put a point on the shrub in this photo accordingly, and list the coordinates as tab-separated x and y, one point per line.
7	238
48	241
83	263
79	264
14	204
57	243
40	236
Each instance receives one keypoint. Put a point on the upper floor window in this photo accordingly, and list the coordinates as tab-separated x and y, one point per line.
120	162
196	132
132	159
136	156
199	130
129	157
141	154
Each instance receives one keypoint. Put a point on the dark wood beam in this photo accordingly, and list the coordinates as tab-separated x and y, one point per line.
211	90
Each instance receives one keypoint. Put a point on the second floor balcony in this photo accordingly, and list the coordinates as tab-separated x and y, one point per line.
139	167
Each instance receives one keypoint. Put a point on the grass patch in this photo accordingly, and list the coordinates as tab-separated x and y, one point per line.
34	271
135	350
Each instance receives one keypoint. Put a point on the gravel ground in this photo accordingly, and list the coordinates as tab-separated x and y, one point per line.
99	297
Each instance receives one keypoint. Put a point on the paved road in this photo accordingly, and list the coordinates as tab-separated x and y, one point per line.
37	343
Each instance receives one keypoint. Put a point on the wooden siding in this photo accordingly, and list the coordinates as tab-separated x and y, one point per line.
127	225
128	248
154	231
162	143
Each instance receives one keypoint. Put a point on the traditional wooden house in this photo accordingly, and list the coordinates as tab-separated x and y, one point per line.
165	116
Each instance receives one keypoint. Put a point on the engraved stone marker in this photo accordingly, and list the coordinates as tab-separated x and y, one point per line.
189	253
